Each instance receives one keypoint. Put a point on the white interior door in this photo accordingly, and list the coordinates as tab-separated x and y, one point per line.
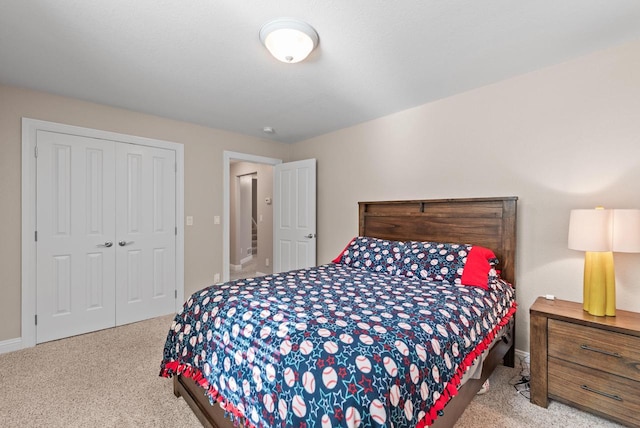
146	232
294	232
75	285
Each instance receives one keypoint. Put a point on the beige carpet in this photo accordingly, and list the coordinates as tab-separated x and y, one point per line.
110	379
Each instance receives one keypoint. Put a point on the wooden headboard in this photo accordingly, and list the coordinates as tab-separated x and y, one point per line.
488	222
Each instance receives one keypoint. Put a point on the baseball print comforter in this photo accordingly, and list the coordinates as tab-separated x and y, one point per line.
334	345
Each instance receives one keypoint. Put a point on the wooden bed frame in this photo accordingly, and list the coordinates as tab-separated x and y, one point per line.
488	222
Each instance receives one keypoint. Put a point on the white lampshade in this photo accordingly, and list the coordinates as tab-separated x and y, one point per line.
626	231
289	40
590	230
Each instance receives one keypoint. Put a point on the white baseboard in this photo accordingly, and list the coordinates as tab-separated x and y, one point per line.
260	274
522	356
235	268
246	259
10	345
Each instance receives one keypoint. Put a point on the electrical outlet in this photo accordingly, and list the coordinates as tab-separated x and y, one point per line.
266	262
189	220
216	277
216	219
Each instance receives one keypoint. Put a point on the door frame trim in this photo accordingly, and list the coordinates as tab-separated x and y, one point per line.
227	157
30	128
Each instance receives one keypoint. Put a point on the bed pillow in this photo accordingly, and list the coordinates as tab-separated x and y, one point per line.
376	255
480	267
451	263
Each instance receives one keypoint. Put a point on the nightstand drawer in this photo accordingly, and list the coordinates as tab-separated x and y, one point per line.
603	350
595	390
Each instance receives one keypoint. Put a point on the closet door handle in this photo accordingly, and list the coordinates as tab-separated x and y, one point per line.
106	244
123	243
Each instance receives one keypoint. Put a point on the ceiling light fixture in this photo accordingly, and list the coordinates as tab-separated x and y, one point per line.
289	40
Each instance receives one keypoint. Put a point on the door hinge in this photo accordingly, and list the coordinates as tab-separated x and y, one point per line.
176	230
36	319
35	151
175	292
36	235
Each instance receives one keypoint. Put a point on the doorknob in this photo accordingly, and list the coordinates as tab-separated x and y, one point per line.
123	243
106	244
311	235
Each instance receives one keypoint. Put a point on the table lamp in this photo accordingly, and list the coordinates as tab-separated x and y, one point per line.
599	232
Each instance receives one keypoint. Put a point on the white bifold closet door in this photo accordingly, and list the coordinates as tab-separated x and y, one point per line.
146	232
106	234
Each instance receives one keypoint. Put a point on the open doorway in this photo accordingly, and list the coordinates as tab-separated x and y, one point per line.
248	209
250	224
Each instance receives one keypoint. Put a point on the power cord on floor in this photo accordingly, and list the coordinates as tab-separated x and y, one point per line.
521	381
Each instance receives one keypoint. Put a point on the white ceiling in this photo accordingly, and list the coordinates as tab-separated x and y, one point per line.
201	61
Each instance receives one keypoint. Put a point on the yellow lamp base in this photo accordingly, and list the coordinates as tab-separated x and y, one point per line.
599	284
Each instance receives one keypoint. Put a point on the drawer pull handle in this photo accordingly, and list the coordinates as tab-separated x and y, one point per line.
602	351
612	396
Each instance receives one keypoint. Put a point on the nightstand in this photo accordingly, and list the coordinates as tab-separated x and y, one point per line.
589	362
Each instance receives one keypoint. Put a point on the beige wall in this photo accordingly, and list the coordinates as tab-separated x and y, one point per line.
561	138
203	151
264	173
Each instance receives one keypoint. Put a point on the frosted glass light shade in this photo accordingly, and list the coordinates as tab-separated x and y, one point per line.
289	40
590	230
626	231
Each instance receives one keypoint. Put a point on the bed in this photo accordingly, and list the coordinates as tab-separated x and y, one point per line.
216	364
